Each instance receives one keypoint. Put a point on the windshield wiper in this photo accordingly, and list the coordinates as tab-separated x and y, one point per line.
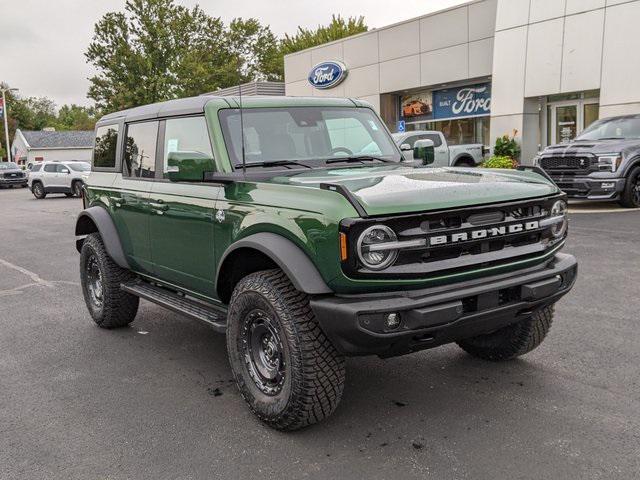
358	158
273	163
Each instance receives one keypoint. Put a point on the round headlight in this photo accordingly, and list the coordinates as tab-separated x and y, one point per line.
373	252
559	209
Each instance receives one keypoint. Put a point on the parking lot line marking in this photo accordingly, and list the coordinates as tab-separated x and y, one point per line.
33	276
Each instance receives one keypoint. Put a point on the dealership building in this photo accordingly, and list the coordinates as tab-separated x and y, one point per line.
543	68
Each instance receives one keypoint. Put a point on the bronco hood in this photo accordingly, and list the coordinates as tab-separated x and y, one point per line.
397	189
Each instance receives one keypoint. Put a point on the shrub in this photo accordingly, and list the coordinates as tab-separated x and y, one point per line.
500	161
506	146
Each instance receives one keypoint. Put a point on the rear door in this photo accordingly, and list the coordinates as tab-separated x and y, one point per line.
129	195
183	208
49	175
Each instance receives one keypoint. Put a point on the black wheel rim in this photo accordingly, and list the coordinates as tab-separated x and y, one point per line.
263	352
94	281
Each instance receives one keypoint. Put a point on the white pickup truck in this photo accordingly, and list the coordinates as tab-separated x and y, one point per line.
445	155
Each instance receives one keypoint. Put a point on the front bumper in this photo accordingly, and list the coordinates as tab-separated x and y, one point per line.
434	316
13	181
589	188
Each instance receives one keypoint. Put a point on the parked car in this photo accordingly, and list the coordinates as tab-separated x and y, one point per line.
58	177
602	163
445	155
306	239
11	175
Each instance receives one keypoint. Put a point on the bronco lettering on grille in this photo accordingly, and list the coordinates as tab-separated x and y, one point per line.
483	233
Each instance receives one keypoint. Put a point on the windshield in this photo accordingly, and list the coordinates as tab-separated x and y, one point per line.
8	166
300	134
80	166
612	128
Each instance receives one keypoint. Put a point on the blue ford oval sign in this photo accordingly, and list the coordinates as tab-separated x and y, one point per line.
327	74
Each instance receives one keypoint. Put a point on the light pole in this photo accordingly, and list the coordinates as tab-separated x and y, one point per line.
5	114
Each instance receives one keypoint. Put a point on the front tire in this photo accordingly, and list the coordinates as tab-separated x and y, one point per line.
513	340
630	197
286	369
109	306
38	191
76	188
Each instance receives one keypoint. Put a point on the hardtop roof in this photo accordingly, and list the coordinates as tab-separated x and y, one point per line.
193	105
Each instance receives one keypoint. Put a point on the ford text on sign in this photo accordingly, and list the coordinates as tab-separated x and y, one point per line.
468	101
327	74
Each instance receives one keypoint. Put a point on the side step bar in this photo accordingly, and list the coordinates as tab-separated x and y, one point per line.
194	309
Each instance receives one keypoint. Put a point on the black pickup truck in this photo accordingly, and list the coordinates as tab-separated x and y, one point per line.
603	163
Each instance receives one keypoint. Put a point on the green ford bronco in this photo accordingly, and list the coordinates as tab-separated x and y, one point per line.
293	226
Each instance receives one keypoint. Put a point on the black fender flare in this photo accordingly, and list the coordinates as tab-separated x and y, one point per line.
99	217
288	256
631	164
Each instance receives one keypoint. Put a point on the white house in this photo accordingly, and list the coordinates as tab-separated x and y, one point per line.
37	146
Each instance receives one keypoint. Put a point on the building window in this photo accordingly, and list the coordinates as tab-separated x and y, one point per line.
459	131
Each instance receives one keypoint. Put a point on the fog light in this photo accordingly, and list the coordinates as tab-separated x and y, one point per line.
393	320
608	185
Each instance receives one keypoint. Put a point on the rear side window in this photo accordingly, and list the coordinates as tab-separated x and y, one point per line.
62	169
140	150
104	153
187	145
36	168
51	168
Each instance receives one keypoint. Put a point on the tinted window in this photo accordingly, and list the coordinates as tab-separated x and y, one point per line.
187	144
51	167
80	167
140	150
104	153
36	168
437	141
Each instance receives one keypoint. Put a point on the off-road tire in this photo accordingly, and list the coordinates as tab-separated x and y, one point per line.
38	190
118	308
630	197
513	340
314	372
76	188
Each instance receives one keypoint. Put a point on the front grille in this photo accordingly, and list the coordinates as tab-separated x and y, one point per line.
566	163
460	240
13	175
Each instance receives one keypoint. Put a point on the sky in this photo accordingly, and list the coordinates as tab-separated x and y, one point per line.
42	42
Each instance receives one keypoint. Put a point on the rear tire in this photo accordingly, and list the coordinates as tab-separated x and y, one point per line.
38	190
286	369
109	306
630	197
466	163
511	341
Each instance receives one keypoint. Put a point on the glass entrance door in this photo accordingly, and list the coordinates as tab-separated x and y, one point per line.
564	121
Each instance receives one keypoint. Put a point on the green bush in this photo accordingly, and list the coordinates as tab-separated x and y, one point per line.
506	146
500	161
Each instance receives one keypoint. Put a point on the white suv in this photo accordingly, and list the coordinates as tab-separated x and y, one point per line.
58	177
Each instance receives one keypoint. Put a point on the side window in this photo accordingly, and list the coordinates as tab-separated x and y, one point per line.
36	168
187	148
104	152
50	168
62	168
140	150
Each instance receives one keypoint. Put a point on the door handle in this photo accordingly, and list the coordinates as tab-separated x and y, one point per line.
159	206
117	201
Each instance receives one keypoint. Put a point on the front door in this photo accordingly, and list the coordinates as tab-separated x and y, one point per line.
183	208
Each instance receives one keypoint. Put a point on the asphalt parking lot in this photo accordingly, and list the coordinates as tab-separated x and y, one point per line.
156	400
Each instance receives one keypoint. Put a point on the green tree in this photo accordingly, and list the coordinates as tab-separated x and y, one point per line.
75	117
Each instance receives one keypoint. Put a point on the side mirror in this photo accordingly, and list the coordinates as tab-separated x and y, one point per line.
424	151
405	147
185	166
